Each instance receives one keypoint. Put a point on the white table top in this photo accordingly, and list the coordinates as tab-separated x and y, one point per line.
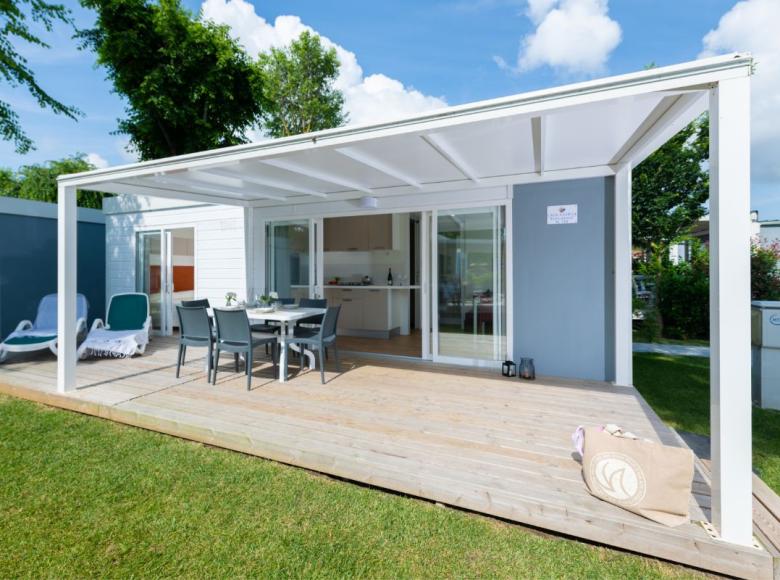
284	315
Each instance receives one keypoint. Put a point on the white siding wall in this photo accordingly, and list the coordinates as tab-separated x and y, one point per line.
220	264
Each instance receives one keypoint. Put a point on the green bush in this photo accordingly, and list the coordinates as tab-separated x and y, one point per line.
683	297
764	272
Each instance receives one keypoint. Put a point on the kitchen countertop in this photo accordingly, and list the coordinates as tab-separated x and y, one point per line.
370	287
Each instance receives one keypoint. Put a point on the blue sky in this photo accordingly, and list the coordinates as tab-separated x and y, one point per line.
416	55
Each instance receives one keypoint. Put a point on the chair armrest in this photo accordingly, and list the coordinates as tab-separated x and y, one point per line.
81	325
97	323
23	325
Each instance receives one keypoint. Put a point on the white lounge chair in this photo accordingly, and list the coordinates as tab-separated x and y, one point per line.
125	331
42	334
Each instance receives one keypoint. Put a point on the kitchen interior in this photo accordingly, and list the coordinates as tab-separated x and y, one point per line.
371	268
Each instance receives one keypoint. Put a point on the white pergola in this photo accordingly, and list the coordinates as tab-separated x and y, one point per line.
597	128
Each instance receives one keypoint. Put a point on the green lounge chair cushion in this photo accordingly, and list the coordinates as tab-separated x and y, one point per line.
24	340
127	312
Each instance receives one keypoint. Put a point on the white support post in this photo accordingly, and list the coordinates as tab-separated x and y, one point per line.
67	224
624	366
730	407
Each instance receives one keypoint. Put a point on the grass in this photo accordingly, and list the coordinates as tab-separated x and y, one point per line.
678	388
80	496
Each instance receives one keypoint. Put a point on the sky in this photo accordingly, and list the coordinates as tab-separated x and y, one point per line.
408	56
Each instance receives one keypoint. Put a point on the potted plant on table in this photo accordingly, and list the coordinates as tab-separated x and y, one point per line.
230	298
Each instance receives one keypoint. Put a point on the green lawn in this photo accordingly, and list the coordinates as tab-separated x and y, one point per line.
80	496
678	389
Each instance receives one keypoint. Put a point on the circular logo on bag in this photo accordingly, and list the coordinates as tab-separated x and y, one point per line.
618	477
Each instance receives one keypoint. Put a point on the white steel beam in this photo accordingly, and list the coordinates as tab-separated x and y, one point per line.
443	147
264	181
202	186
301	169
671	115
730	360
539	142
67	238
624	372
144	187
379	165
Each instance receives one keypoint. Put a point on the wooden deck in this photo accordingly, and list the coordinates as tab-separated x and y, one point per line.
466	438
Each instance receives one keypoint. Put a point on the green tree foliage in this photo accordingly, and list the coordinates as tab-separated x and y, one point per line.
39	182
298	84
15	16
670	187
764	272
683	297
189	86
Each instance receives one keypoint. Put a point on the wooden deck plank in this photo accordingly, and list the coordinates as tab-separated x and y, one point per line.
465	437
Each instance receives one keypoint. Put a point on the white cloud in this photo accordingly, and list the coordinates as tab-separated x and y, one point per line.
96	160
751	26
571	36
367	99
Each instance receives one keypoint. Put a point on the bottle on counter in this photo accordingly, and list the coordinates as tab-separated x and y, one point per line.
389	276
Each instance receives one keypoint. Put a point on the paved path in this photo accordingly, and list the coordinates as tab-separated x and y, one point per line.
673	349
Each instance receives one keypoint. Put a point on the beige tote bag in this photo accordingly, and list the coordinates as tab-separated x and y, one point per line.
650	479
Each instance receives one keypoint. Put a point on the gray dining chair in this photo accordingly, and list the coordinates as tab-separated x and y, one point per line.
195	330
321	339
312	303
235	335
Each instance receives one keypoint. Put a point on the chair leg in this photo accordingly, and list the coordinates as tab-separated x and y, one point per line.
178	360
209	362
303	355
249	370
235	359
321	353
216	366
275	358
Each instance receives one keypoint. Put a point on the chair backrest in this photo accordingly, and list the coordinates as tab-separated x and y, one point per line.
233	326
330	321
194	322
313	303
199	303
127	311
46	317
285	300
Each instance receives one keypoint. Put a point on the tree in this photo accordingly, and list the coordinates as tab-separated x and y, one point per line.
764	271
13	66
298	84
39	182
189	86
670	187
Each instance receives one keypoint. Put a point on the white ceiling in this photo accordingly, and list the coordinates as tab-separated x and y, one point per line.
589	128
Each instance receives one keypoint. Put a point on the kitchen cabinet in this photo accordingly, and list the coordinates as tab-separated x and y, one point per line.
358	233
375	309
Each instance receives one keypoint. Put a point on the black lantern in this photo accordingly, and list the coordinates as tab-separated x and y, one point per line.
508	368
527	370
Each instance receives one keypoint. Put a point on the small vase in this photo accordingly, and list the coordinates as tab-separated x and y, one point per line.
526	370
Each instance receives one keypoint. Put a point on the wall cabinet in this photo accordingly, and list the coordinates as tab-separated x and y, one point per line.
358	233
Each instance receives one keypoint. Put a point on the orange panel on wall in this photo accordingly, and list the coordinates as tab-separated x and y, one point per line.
183	278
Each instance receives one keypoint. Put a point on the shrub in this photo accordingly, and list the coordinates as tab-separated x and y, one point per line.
764	272
683	295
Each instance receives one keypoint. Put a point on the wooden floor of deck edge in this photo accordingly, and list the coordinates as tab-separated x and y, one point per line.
717	557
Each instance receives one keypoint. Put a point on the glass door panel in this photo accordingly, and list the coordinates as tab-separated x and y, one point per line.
470	287
149	273
288	263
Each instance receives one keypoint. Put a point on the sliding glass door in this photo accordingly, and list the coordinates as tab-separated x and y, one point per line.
149	273
469	297
165	271
292	266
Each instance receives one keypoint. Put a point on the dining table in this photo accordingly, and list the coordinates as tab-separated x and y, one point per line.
286	317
